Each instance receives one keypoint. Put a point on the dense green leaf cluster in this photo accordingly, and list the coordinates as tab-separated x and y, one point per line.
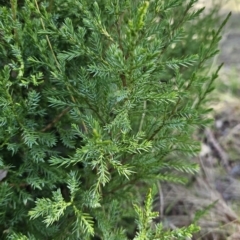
98	101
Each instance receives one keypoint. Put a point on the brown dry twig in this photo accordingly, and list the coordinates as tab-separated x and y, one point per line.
217	147
56	119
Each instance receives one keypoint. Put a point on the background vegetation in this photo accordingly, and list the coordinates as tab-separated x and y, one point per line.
219	163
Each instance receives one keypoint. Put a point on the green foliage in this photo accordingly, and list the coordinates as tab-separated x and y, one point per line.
99	100
145	232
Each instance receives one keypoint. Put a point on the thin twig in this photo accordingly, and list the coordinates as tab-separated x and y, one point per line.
161	202
221	153
164	120
56	119
131	182
49	43
143	115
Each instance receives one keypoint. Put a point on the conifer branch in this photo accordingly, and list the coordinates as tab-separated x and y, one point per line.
102	77
164	120
48	41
